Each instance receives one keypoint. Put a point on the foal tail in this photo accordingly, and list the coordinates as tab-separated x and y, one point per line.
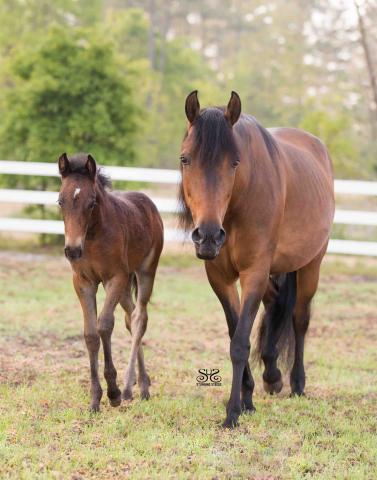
277	323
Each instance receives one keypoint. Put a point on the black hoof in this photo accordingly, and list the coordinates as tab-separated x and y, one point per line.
145	395
94	408
127	395
230	422
297	393
272	388
248	410
115	402
247	406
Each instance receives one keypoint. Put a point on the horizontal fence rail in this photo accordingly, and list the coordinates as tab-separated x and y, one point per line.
166	205
157	175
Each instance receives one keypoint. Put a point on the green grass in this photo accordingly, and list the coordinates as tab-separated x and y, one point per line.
46	431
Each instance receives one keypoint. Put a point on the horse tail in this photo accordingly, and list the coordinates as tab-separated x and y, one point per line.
277	323
134	286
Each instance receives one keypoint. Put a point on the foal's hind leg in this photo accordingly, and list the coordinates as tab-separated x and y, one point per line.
139	319
229	299
143	378
307	283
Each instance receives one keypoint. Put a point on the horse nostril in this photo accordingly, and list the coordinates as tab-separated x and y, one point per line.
197	236
220	236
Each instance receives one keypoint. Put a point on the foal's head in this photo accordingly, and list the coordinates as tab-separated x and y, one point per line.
209	158
77	200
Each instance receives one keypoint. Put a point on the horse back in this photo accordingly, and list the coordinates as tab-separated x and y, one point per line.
309	194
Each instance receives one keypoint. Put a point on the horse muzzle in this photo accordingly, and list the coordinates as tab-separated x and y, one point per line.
208	241
73	253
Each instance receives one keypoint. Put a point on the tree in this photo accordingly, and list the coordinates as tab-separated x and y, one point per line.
66	93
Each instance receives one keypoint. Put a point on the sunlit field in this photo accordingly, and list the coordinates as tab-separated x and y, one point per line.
47	432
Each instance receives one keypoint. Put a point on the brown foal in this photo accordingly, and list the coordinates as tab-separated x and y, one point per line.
261	204
114	239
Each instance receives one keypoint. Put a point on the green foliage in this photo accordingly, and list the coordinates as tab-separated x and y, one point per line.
335	131
67	95
282	59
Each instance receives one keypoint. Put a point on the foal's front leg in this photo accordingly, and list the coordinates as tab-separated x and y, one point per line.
253	284
86	293
114	289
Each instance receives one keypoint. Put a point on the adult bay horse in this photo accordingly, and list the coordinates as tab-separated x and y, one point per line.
261	205
114	239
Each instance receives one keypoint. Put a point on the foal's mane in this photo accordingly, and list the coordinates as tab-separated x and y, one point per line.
77	167
214	137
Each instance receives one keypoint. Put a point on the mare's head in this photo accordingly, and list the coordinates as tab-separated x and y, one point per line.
77	199
209	158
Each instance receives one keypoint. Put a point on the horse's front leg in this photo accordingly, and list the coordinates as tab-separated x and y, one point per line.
253	285
223	284
86	293
114	289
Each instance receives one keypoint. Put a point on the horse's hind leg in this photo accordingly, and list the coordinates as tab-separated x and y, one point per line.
272	380
139	319
307	283
143	378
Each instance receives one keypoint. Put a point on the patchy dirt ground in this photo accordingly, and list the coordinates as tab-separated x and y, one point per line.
47	432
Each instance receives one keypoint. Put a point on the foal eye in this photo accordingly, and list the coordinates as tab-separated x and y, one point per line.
92	204
184	160
60	202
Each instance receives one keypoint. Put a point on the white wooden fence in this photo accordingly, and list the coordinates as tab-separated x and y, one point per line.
166	205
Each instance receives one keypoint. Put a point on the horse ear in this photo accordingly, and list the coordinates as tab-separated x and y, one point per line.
233	110
64	167
192	107
91	166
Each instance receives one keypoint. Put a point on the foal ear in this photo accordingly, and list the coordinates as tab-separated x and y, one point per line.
91	167
233	110
64	167
192	107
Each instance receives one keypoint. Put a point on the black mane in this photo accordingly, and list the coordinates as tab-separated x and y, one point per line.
77	166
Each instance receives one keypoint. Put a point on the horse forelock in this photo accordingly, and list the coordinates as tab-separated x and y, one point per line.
213	138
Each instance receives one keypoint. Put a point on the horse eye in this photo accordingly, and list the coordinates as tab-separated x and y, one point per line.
235	163
60	202
92	204
184	160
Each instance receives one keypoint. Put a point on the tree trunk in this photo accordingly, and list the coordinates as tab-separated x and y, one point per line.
368	58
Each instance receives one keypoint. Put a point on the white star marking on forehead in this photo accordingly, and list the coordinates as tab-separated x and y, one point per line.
77	191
